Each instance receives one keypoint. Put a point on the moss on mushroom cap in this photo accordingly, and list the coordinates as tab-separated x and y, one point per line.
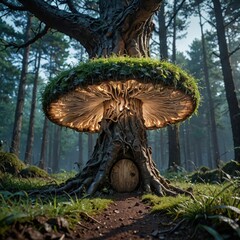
75	97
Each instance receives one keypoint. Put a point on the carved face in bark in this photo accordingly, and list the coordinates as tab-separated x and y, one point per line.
81	97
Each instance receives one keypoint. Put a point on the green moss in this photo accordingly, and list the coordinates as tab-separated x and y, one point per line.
10	163
33	171
204	169
232	168
163	203
212	176
121	69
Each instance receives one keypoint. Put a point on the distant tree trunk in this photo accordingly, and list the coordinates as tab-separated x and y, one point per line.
50	146
188	150
183	147
163	54
17	128
213	125
56	148
80	151
234	108
156	149
30	137
43	155
162	33
162	149
90	145
173	131
174	146
199	152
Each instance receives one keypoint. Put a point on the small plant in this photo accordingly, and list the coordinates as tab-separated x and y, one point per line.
9	163
205	175
164	204
218	213
20	208
12	183
63	176
33	171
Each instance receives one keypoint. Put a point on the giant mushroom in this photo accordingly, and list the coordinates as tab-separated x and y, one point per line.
120	98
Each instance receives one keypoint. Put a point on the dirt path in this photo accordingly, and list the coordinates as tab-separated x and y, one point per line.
126	218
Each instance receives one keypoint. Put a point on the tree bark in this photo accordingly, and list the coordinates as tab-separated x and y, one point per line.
56	148
43	155
173	131
80	151
90	145
210	99
234	109
17	128
123	28
122	136
30	137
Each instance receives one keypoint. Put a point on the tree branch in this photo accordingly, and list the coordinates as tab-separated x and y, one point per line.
232	20
176	12
138	12
31	41
13	6
76	25
215	54
235	50
71	6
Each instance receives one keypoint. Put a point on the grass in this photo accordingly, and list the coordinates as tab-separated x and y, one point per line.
164	204
215	209
14	184
11	183
18	207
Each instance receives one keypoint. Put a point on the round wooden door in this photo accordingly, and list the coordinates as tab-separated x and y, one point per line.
124	176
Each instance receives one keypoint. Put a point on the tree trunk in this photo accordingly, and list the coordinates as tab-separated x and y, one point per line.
210	99
234	109
56	148
122	136
80	152
17	128
162	33
43	155
90	145
173	131
188	148
173	146
30	137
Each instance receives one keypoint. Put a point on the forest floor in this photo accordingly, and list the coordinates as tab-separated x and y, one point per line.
127	217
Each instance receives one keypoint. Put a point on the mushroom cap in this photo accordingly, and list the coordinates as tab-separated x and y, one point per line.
75	98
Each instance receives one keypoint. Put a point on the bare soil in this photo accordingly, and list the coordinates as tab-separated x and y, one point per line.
129	218
126	218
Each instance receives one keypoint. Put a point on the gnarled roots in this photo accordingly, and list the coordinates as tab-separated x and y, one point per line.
122	136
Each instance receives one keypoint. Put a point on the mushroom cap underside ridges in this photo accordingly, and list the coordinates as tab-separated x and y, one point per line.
75	98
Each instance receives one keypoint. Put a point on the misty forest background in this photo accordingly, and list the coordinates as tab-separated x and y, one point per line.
25	71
